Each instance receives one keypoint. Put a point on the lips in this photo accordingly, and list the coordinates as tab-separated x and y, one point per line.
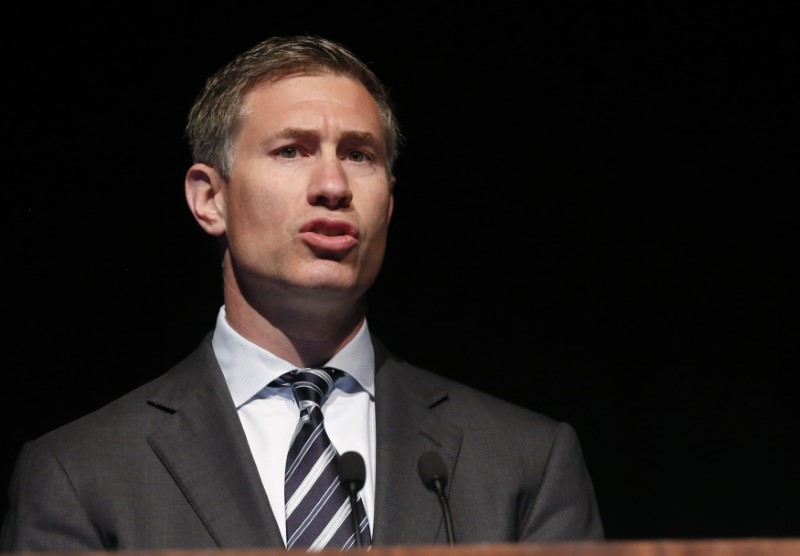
328	235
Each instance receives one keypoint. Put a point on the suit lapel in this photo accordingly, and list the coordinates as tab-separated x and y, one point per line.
405	511
205	450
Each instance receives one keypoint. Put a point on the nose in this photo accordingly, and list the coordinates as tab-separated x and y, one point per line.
329	185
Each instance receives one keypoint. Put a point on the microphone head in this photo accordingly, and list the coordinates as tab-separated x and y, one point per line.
351	469
432	470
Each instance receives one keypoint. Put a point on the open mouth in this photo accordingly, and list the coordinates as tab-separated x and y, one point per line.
325	235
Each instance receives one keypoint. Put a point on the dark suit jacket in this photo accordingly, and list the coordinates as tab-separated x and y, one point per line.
168	466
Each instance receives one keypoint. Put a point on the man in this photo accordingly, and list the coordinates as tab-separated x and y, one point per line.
294	143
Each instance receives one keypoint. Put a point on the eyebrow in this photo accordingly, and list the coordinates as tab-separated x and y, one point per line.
294	133
363	136
300	133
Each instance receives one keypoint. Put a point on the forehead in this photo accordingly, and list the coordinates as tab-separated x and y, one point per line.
311	100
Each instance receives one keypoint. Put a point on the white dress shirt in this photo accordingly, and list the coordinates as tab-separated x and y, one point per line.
269	415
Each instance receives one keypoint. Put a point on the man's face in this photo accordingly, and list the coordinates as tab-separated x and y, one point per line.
309	200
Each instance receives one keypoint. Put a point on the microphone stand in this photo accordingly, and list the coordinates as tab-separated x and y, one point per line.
433	473
353	495
352	473
448	520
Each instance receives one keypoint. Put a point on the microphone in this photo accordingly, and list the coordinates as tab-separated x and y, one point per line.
353	474
433	473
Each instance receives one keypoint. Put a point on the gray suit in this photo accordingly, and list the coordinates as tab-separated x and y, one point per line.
168	466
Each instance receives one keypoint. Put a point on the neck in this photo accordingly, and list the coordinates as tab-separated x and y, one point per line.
299	329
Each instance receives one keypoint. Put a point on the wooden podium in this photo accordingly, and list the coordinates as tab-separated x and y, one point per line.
705	547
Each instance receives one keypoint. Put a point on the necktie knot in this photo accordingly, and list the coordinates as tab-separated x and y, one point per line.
310	386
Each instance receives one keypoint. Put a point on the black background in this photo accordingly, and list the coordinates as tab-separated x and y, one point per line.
597	198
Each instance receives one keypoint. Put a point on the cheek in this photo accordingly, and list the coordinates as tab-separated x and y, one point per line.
380	224
254	218
256	200
387	208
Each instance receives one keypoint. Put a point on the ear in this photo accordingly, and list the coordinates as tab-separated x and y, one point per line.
205	195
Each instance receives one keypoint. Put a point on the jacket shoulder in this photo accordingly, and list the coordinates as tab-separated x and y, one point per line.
134	414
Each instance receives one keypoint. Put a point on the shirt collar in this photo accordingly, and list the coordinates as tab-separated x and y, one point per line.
248	368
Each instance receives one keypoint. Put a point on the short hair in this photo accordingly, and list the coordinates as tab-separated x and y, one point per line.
217	112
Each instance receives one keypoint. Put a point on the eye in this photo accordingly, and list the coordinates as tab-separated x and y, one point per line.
358	156
289	152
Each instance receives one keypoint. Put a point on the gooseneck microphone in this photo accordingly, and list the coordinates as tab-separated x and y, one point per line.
433	473
353	474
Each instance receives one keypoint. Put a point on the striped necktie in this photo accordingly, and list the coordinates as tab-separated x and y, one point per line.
317	504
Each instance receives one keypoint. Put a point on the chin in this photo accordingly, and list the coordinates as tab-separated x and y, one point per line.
333	278
342	289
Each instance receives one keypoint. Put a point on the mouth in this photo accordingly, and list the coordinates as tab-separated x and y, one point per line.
329	237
